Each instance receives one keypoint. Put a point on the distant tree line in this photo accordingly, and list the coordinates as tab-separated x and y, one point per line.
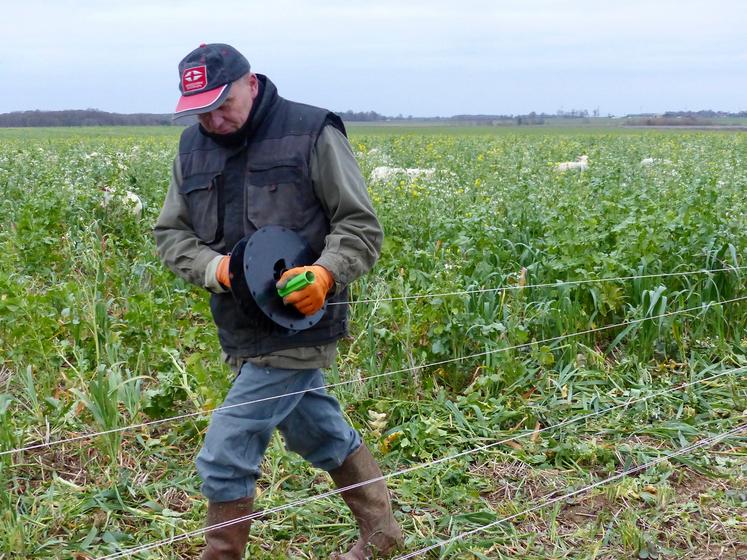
84	117
706	114
681	118
95	117
661	120
362	116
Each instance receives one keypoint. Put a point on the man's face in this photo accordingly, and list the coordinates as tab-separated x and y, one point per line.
233	112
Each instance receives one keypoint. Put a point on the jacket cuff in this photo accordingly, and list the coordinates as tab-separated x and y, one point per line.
211	281
334	265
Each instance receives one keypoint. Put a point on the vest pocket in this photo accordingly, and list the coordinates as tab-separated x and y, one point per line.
202	199
279	194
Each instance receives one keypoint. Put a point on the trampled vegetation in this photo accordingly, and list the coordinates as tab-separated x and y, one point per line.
95	335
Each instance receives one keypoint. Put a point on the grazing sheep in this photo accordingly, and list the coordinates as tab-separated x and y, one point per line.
134	202
383	173
374	155
655	162
581	163
129	200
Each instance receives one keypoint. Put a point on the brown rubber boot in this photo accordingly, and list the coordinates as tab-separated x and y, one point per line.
227	543
378	530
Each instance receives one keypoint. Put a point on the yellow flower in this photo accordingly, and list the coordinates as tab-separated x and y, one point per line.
386	445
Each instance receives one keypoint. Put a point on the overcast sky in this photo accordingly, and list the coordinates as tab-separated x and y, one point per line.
423	58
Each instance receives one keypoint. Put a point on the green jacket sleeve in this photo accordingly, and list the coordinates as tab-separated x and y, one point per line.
354	242
178	245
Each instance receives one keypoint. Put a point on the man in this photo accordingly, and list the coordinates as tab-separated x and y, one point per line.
256	159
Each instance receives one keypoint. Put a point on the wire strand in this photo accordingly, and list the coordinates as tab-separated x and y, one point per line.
303	501
705	442
544	285
705	306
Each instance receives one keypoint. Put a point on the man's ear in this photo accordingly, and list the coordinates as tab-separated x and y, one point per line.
251	79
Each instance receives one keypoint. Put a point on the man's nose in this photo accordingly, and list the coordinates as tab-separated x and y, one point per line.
216	119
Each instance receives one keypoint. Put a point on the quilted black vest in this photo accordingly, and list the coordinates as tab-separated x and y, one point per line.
265	180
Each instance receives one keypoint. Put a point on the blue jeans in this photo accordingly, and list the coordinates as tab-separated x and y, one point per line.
311	423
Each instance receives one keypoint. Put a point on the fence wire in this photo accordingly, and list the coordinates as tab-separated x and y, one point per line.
703	443
704	306
303	501
559	284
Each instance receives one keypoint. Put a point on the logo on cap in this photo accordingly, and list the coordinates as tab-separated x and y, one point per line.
194	78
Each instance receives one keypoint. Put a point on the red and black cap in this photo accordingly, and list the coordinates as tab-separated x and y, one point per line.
205	77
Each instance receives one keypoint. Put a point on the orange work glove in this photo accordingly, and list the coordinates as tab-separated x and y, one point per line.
310	299
221	273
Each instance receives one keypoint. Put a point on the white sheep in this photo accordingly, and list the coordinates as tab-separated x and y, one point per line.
129	200
581	163
655	162
384	173
134	202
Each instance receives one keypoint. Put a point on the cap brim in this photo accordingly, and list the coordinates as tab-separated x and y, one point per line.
201	102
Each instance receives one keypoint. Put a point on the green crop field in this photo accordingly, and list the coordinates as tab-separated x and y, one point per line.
556	360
